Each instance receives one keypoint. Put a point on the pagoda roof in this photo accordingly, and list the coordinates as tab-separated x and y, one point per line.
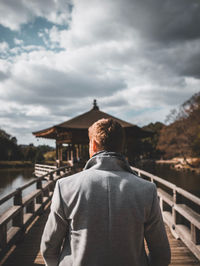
86	119
81	122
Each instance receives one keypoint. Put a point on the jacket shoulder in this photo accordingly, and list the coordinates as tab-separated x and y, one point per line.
142	182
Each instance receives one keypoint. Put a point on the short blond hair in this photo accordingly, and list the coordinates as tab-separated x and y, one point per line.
108	134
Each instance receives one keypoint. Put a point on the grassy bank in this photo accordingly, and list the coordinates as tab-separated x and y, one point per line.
15	164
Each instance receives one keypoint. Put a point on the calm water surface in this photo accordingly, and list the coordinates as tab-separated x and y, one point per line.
10	179
187	180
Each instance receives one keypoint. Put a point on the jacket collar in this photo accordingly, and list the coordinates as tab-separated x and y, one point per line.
108	161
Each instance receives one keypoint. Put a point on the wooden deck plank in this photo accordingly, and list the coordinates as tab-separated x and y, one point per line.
27	253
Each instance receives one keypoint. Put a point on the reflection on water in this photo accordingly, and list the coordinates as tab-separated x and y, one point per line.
10	179
185	179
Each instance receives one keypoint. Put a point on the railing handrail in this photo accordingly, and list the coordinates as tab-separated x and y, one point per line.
46	165
176	211
172	208
170	185
26	208
13	193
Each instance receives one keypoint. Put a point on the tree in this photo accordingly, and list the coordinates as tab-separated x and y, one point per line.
182	135
149	147
8	147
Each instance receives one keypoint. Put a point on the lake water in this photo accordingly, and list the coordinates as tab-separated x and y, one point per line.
10	179
187	180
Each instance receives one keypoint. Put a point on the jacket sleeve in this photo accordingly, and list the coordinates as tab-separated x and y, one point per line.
155	235
55	230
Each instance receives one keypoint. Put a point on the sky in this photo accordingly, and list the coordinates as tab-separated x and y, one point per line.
138	58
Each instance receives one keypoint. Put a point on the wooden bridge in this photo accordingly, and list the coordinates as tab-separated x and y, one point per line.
21	225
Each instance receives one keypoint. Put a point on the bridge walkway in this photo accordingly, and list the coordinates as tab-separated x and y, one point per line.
26	253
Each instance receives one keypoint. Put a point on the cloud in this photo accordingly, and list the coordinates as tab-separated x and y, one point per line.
162	21
14	13
4	46
40	83
139	59
18	42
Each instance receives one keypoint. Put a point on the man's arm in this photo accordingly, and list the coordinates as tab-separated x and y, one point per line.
156	237
55	230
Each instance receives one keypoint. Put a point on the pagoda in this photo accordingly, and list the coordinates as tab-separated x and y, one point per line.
74	133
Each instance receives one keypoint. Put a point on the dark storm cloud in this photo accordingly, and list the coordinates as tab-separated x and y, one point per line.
163	27
164	21
191	68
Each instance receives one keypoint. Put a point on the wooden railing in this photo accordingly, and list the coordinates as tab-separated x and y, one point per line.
41	169
180	209
15	220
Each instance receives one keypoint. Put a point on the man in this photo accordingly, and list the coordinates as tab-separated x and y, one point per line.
101	216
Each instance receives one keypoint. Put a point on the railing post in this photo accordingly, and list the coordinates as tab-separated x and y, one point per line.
51	176
30	208
18	219
177	218
195	234
58	172
51	187
46	191
39	198
3	236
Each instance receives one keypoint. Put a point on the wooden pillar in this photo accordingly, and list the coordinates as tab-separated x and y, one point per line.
71	153
58	154
77	153
56	151
67	154
57	161
80	152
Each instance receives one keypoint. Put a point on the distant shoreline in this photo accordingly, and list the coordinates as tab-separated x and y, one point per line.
15	164
192	164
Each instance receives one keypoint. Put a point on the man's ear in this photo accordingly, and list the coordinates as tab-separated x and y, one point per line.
95	146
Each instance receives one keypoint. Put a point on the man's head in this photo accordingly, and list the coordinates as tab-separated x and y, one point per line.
106	134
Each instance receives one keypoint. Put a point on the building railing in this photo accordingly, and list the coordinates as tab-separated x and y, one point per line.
180	209
16	219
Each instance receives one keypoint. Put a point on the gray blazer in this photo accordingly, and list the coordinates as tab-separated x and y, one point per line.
101	216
